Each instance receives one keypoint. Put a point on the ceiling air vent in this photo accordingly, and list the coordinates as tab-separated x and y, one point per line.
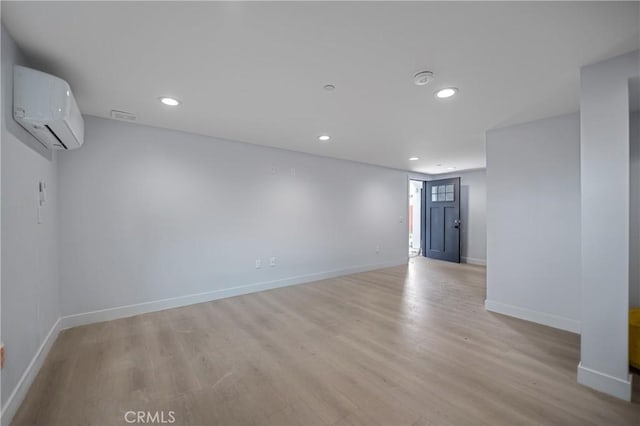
122	115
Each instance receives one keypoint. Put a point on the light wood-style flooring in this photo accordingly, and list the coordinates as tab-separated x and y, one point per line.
409	345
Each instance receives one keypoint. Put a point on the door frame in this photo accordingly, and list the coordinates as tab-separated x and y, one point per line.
422	211
458	222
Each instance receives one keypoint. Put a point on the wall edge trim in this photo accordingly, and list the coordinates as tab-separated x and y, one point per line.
538	317
605	383
117	312
28	376
474	261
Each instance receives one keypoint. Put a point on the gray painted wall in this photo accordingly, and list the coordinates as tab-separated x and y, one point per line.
148	214
533	221
634	225
605	189
30	293
473	206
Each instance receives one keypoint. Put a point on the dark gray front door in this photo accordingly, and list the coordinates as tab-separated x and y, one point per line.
442	217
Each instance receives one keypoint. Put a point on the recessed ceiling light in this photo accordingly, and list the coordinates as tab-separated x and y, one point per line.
169	101
446	92
324	138
414	158
451	168
329	87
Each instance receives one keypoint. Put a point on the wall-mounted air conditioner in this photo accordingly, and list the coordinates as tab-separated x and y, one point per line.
45	107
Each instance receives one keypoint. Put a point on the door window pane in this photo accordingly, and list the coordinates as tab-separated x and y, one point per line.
441	193
449	193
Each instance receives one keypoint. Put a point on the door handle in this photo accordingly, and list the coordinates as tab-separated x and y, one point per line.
456	223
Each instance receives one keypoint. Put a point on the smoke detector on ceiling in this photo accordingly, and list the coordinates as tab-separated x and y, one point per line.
422	78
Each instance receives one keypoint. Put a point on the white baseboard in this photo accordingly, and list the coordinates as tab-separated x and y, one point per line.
175	302
20	391
474	261
605	383
543	318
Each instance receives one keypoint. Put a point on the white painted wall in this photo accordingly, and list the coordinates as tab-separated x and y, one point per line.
149	214
605	186
30	292
473	214
634	212
533	221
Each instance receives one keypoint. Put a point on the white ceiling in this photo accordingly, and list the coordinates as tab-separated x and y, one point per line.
254	72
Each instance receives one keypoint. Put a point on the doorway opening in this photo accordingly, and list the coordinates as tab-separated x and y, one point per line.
415	217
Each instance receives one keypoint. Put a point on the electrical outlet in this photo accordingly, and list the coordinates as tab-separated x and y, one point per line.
258	263
272	262
2	356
